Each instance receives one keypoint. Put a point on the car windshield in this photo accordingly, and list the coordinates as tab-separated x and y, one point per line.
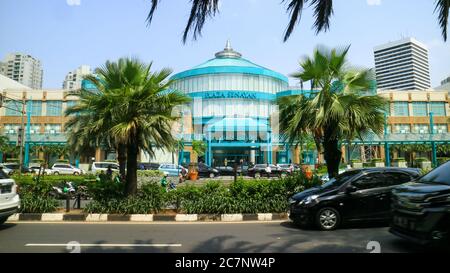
440	175
3	175
339	180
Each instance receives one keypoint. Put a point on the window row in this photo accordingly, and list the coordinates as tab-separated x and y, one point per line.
417	129
237	82
35	129
232	108
53	108
419	109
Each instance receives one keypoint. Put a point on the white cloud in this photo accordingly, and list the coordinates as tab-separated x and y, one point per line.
73	2
373	2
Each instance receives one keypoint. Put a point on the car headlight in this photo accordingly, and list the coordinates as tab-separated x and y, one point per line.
308	200
292	201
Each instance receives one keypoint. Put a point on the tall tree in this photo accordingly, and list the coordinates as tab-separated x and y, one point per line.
338	111
132	108
323	11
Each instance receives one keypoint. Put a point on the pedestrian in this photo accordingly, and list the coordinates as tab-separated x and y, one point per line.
109	172
164	181
268	170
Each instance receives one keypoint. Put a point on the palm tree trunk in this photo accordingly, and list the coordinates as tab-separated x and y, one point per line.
332	156
132	155
122	157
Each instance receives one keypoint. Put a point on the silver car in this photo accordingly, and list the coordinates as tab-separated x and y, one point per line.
59	168
9	199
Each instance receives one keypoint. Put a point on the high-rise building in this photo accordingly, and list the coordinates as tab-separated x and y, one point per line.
24	69
402	65
74	79
445	85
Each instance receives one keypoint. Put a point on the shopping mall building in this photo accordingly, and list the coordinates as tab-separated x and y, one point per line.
234	112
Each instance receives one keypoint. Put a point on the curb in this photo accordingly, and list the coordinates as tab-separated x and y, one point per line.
62	217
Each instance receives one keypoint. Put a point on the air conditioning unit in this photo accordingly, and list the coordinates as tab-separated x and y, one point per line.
53	132
422	131
402	131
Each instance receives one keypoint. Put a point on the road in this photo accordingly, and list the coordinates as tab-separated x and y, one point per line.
278	237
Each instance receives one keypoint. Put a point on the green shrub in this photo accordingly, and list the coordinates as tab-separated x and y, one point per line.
442	160
377	160
150	173
400	159
422	159
12	160
355	161
31	203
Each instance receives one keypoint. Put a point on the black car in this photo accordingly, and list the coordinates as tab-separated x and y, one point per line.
260	170
356	195
226	170
206	171
422	208
149	166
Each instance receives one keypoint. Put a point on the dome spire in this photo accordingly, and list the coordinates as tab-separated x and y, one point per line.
228	52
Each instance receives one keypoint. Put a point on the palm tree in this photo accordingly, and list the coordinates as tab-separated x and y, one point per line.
133	109
323	10
338	111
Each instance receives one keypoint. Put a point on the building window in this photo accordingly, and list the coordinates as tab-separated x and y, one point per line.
440	128
438	109
401	109
11	129
420	109
35	129
53	129
13	108
421	129
402	128
36	109
54	108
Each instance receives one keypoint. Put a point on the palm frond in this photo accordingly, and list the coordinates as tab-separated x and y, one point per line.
443	8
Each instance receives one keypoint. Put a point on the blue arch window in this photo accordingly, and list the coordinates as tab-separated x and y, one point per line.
420	109
54	108
438	108
401	109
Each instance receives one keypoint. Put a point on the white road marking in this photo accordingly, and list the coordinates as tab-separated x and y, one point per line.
106	245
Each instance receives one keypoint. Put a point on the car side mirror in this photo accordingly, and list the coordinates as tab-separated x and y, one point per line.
351	189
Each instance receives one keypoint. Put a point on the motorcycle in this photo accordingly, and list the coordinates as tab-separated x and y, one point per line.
61	191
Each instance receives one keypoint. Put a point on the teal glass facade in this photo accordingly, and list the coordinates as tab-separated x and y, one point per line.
234	109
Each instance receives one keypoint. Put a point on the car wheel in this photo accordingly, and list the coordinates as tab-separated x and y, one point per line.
328	219
283	175
257	175
211	175
76	173
56	173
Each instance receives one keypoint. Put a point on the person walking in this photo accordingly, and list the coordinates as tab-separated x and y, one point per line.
268	170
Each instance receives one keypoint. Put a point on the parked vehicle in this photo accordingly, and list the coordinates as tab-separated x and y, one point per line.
103	166
354	196
226	170
243	169
36	169
59	168
422	208
149	166
288	168
12	168
61	191
206	171
171	169
9	199
261	170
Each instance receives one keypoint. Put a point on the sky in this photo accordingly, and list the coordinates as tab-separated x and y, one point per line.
65	34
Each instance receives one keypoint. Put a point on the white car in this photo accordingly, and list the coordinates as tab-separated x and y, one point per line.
60	168
103	166
36	170
9	199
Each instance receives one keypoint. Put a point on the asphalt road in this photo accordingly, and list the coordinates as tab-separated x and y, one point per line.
278	237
